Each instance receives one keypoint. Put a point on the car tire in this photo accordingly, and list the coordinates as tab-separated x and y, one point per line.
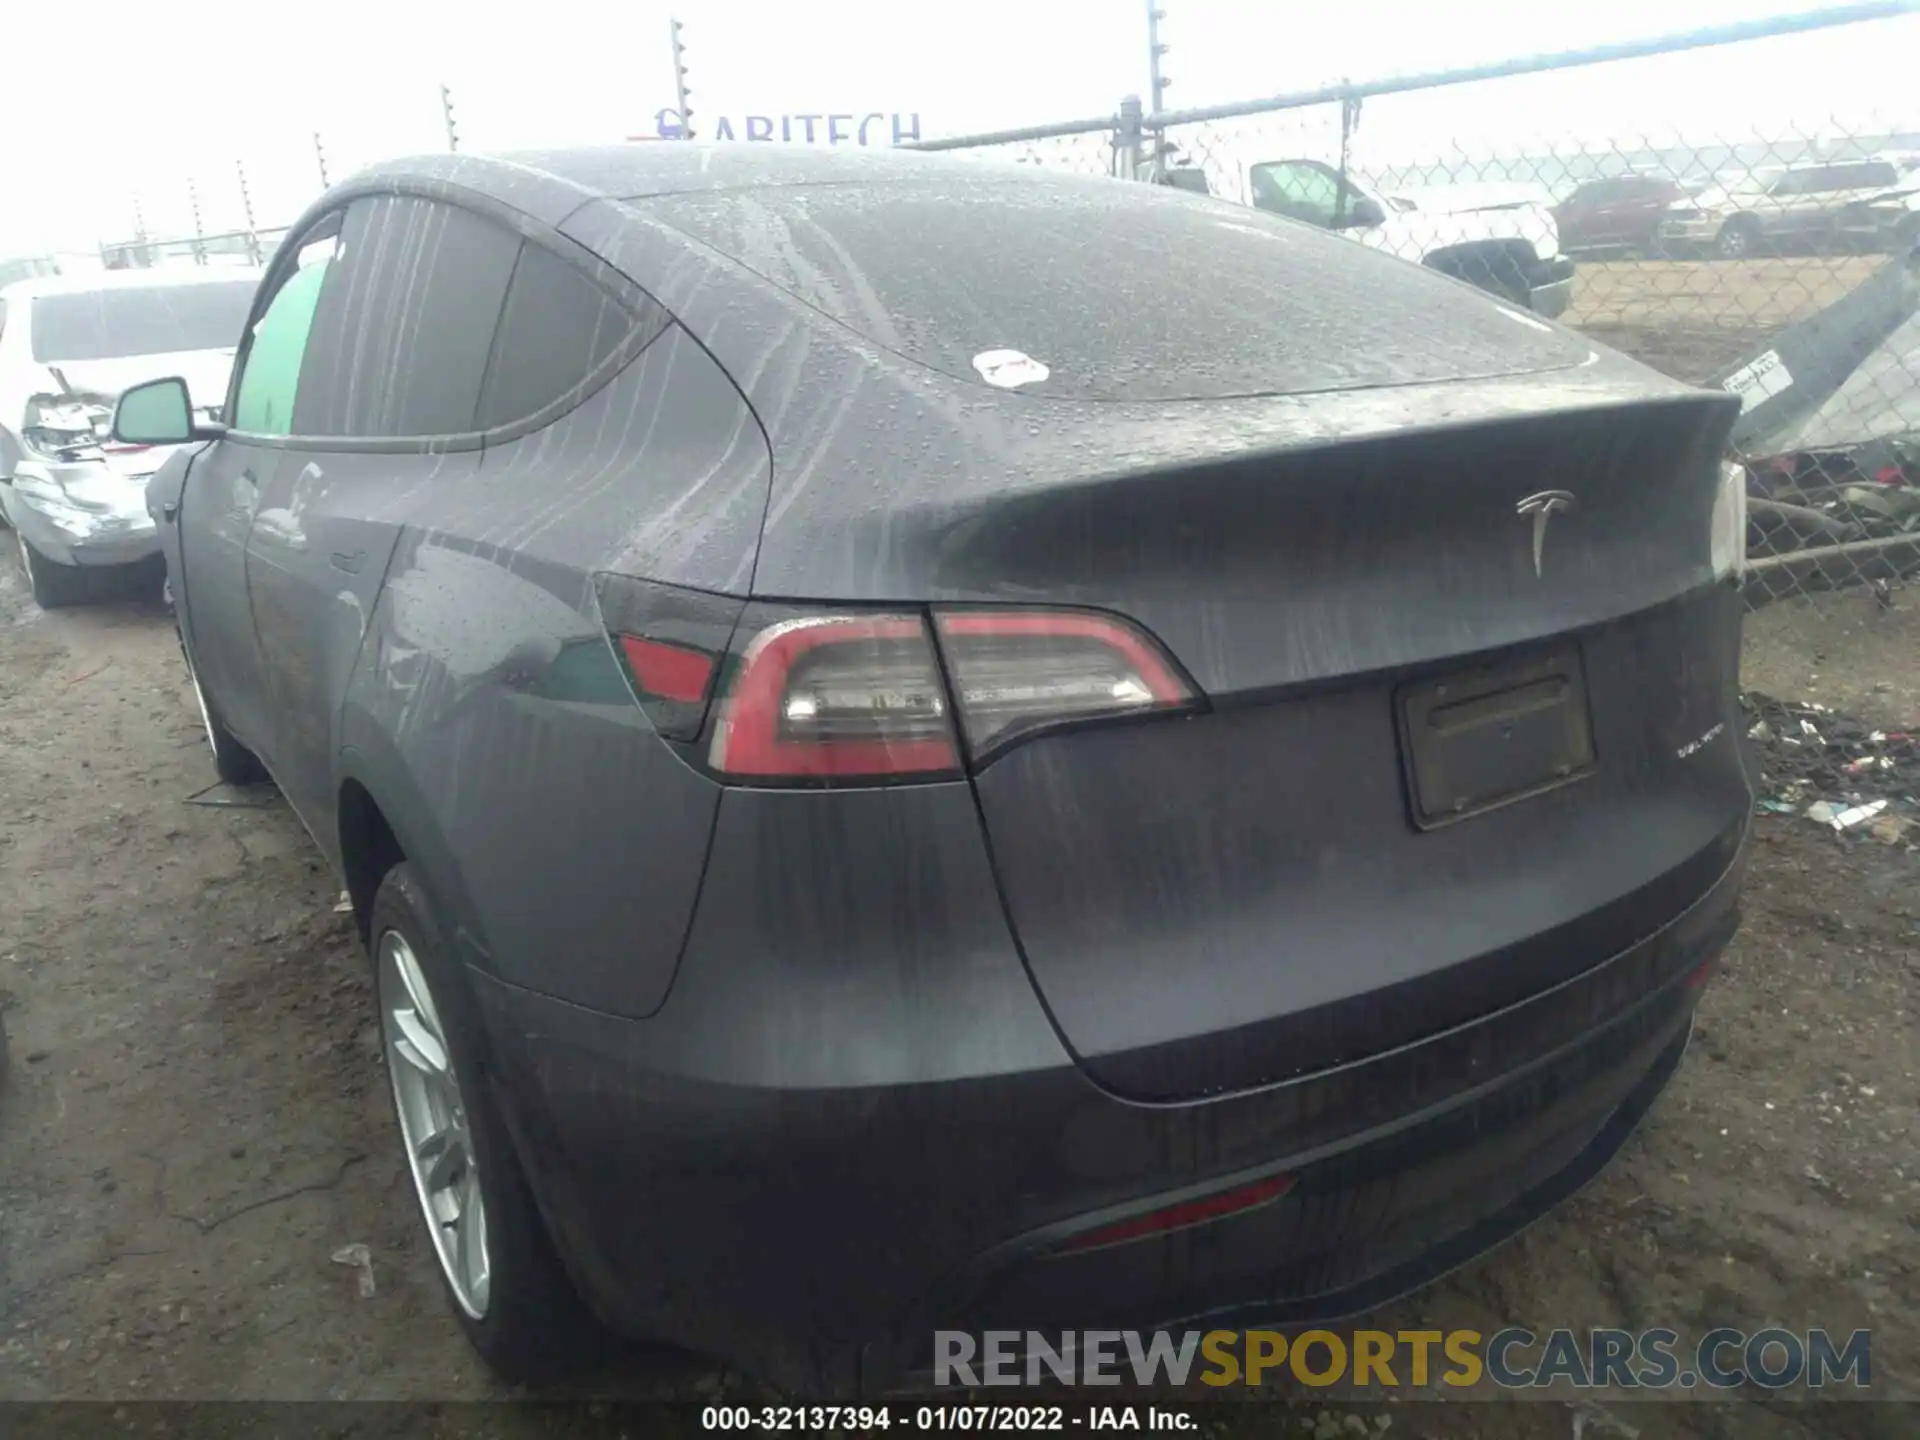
53	585
1739	239
517	1306
233	762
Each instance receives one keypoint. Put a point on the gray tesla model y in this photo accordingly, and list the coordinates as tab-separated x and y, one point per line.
920	745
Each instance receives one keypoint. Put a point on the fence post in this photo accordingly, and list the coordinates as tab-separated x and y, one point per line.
681	90
199	231
1349	122
1157	82
1128	150
246	208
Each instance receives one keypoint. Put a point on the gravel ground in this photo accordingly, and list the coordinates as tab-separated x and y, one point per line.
193	1123
1695	318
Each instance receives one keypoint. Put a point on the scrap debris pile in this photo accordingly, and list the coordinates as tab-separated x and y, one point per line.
1834	769
1803	502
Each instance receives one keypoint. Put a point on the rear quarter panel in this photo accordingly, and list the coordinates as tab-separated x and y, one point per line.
564	837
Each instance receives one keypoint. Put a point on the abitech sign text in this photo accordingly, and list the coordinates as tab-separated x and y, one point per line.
876	127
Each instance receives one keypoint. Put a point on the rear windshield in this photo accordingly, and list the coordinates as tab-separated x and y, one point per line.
156	320
1120	295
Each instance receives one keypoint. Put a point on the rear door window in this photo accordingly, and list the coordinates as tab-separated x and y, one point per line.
557	329
401	338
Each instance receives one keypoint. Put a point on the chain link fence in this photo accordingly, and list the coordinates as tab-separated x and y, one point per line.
1773	259
1777	262
1782	269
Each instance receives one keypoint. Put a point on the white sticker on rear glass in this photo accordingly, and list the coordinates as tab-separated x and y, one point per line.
1009	369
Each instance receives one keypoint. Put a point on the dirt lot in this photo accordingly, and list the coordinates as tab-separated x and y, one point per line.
1695	318
193	1123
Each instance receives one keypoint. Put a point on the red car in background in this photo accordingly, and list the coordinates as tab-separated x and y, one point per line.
1620	213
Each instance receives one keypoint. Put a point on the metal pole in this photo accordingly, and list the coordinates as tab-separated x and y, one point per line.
320	155
1157	88
193	200
246	208
1013	137
1128	148
681	90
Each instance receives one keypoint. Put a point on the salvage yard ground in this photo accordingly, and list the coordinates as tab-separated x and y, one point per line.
194	1122
1697	319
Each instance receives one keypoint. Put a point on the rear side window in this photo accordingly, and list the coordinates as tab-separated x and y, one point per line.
401	337
556	330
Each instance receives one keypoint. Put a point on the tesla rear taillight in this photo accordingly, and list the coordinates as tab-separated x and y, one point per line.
672	643
835	697
781	694
1022	670
666	671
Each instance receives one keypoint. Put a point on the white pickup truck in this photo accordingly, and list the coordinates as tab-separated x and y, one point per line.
1501	238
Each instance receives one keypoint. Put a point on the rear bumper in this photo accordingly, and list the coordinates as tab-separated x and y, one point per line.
1446	1203
1550	287
819	1232
110	541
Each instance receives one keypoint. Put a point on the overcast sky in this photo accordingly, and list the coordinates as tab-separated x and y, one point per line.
156	97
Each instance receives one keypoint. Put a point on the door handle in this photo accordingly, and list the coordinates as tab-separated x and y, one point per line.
169	509
349	563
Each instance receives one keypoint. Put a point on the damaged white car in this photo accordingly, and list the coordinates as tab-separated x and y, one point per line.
68	346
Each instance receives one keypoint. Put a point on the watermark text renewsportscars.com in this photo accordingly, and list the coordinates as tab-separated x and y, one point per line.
1511	1359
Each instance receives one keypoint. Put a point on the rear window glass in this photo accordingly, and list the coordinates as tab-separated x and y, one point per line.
1119	295
558	326
153	320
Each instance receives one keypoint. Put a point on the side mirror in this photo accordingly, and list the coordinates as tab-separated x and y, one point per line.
1362	213
159	412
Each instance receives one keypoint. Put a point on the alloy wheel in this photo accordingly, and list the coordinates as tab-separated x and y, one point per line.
433	1124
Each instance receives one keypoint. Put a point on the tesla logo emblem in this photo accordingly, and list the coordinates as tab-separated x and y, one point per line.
1543	507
